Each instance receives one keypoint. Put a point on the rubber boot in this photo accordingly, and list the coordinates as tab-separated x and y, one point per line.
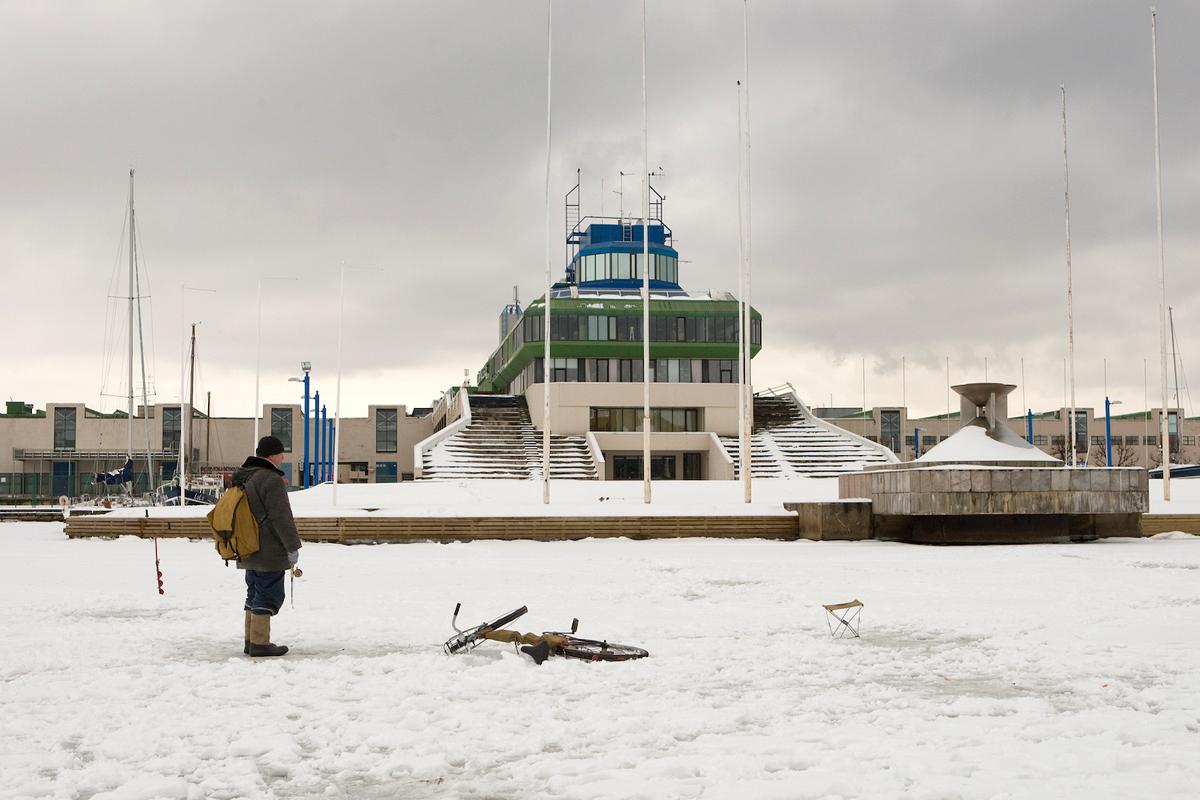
260	638
246	648
538	652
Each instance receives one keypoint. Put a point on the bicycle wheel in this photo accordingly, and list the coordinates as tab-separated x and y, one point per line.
593	650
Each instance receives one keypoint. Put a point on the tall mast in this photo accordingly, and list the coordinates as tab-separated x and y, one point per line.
743	434
645	281
747	321
1070	299
185	421
547	364
1162	269
1174	352
145	389
131	269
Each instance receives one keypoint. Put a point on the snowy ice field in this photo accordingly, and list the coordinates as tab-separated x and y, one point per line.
1047	671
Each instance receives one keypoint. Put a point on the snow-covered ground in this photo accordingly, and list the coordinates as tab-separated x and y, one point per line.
522	498
1058	671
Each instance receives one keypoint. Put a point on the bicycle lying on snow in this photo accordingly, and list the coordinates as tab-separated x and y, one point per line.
537	646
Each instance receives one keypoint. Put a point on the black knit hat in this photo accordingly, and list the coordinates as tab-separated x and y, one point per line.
268	446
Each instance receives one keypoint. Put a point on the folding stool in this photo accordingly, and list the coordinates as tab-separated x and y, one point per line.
846	616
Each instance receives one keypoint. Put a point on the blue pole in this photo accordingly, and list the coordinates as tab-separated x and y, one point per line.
917	442
1108	430
1029	425
304	466
316	459
332	446
324	444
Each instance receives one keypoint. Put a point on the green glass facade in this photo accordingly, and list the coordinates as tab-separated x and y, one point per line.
596	339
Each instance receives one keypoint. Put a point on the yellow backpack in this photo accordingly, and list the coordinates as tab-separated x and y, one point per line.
234	528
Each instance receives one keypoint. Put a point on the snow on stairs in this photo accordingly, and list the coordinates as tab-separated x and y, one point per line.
501	442
788	441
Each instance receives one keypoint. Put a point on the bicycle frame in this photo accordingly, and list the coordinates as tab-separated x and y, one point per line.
537	646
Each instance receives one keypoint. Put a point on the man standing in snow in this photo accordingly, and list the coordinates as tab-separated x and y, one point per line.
279	544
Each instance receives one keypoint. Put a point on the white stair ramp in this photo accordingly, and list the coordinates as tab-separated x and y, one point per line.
501	442
790	441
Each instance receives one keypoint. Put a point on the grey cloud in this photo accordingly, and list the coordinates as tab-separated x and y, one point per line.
906	172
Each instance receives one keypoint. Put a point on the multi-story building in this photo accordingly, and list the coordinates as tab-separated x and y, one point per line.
1135	436
596	350
48	453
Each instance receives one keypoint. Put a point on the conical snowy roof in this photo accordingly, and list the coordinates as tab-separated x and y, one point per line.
976	444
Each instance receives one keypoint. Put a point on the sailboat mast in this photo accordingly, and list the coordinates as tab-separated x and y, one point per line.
185	420
141	352
1174	351
1162	269
191	386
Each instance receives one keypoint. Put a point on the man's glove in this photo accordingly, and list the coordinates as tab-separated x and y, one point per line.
293	557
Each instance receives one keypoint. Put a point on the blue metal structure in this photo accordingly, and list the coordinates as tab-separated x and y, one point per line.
304	465
916	442
324	471
1029	425
316	459
1108	430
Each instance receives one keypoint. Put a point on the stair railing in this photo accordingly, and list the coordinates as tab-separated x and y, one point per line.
597	455
430	442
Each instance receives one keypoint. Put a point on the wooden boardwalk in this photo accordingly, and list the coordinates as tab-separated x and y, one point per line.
1162	523
351	530
367	529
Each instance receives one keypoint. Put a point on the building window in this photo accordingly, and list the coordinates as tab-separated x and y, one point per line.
406	476
385	471
1151	440
172	425
1130	441
889	429
692	466
662	420
1097	440
1189	441
629	468
1040	440
385	433
64	429
928	441
281	427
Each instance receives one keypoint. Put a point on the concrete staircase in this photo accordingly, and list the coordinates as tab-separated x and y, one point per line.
501	442
790	442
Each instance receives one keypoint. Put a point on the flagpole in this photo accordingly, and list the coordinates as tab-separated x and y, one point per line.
747	322
548	370
1162	269
645	280
1070	299
743	435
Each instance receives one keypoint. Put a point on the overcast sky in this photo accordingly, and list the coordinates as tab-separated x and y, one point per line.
906	169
